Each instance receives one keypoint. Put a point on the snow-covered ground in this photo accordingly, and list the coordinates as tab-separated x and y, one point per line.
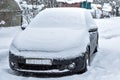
105	65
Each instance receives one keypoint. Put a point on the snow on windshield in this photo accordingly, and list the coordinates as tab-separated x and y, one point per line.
60	17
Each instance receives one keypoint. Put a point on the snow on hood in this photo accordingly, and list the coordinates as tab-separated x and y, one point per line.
51	39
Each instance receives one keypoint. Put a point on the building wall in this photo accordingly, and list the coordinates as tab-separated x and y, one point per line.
10	13
72	5
61	4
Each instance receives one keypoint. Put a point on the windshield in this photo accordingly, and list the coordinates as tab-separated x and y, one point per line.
60	18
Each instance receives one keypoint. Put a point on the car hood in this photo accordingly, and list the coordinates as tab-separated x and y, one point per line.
50	39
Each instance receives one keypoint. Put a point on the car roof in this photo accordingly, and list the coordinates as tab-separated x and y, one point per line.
61	17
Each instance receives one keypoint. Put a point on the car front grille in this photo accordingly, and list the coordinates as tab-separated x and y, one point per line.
38	67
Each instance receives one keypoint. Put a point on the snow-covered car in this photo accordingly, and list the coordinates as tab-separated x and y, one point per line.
96	10
107	9
58	40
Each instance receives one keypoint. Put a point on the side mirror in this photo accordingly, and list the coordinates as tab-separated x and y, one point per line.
93	29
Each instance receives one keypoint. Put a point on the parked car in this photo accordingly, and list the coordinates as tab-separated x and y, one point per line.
58	40
107	10
96	10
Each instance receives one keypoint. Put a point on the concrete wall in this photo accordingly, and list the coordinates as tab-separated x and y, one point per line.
10	13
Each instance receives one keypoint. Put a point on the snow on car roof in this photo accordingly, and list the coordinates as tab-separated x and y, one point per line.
60	17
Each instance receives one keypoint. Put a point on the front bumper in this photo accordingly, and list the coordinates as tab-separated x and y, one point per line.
18	63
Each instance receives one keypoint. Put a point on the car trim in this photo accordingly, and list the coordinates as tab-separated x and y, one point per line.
44	71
